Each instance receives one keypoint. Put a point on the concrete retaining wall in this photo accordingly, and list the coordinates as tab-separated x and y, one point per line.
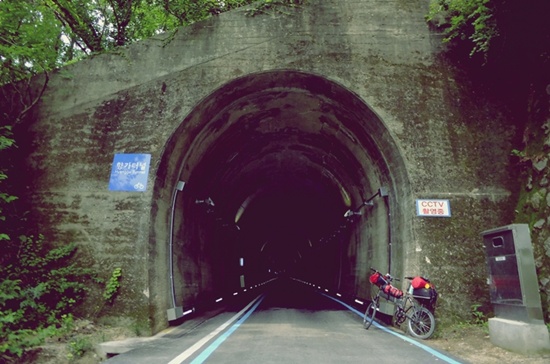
450	140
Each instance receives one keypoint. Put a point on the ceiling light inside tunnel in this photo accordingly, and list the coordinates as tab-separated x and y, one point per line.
346	199
243	206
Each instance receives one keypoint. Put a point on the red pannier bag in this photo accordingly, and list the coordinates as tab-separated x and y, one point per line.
392	291
376	278
419	282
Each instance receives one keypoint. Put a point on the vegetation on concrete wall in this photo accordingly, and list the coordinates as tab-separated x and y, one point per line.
504	47
502	43
40	283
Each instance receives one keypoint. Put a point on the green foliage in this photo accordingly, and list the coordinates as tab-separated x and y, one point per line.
465	20
518	153
478	317
38	290
29	39
41	35
5	139
113	285
78	346
265	6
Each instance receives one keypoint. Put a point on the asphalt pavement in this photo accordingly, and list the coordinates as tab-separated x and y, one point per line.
286	322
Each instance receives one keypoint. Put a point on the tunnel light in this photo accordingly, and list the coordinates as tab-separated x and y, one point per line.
235	293
338	294
345	196
208	201
188	312
241	262
243	206
219	300
350	213
359	302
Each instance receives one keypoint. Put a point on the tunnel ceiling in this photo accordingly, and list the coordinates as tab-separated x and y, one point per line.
284	163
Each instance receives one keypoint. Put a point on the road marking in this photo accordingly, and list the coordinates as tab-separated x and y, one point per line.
187	353
408	339
212	347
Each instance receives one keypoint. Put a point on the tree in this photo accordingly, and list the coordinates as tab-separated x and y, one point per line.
505	35
39	282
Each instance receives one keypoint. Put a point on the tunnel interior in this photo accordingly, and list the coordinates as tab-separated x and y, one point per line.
271	164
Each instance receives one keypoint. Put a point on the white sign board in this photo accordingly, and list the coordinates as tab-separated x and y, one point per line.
433	208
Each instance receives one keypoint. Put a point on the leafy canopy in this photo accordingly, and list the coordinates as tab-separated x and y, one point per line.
466	20
41	35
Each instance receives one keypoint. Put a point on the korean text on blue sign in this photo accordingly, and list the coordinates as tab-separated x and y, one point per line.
129	172
433	208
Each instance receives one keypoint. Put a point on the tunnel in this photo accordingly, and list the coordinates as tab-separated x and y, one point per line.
277	173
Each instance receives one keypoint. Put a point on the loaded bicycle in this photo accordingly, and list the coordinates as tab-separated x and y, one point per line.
416	306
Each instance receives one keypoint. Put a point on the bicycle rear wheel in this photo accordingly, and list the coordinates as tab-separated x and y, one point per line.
369	314
421	323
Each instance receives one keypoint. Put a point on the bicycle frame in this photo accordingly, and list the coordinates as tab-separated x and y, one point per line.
420	320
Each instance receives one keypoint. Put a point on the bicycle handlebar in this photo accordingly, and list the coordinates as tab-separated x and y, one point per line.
386	276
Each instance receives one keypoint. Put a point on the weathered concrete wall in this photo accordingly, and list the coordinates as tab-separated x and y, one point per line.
452	140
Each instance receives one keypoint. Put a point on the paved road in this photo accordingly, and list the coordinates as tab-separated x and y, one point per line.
288	323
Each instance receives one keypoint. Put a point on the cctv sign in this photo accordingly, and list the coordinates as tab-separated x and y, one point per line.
433	208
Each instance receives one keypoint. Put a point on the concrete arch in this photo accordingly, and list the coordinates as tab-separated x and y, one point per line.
282	154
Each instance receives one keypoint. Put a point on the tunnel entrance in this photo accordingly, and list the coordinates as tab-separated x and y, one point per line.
256	181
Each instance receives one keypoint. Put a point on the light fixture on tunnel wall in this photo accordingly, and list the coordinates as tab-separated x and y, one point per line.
382	192
208	201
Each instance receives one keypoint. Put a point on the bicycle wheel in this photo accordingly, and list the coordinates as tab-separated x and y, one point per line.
369	314
421	323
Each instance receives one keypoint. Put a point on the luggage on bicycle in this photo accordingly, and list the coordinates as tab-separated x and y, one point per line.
424	292
392	291
420	282
377	279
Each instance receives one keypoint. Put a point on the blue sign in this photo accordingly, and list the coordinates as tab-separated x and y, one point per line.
130	172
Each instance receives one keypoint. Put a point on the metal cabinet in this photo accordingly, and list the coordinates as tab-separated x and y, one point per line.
512	278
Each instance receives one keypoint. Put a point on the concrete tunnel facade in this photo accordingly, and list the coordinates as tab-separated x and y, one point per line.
285	121
282	155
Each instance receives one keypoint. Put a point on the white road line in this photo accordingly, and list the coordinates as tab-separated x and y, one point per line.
187	353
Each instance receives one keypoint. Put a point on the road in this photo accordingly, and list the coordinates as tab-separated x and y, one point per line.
287	323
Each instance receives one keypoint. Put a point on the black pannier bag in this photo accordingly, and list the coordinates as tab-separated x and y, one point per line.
427	297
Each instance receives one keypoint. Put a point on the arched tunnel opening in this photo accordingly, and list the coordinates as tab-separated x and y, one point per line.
270	164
